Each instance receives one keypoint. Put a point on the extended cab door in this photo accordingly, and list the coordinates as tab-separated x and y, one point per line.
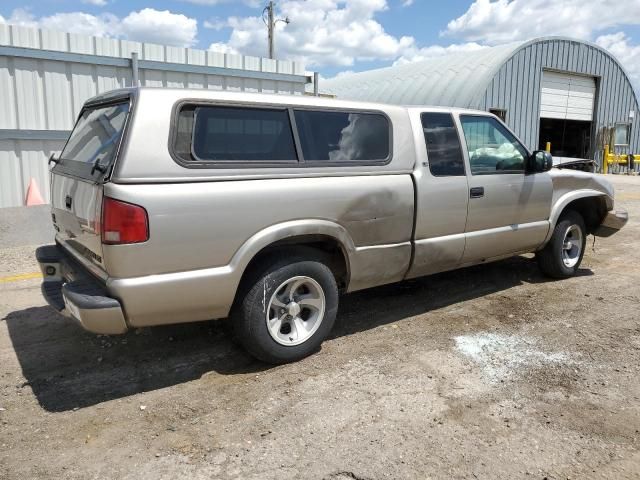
442	194
508	208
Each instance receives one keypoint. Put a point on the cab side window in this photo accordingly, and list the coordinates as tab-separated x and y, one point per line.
443	145
492	148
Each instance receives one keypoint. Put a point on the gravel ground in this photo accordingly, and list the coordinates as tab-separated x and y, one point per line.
489	372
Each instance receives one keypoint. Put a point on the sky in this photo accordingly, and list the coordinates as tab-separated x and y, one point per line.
337	36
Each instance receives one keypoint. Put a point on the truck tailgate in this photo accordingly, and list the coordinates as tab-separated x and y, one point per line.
75	209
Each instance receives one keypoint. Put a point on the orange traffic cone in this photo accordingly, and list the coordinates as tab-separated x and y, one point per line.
33	194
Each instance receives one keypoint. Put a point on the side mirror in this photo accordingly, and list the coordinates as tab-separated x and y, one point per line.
540	161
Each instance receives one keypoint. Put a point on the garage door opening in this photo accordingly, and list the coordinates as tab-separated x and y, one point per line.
569	138
566	113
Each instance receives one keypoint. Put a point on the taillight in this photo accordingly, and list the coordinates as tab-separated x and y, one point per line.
123	222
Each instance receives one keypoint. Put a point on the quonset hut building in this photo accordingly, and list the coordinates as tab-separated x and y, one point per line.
570	93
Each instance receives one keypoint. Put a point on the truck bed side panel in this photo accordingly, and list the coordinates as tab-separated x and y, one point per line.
200	227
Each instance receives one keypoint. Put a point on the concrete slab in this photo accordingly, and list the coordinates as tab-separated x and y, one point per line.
26	226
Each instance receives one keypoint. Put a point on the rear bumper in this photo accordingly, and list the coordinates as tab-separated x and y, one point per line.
612	223
75	293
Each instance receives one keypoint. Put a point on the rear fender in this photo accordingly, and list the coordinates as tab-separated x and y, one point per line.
282	231
366	266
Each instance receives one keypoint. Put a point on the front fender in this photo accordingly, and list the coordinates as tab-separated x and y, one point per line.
561	203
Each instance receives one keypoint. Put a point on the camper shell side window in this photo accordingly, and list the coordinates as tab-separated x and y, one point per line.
212	135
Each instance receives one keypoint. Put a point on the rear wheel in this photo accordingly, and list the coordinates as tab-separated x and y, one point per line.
562	256
287	311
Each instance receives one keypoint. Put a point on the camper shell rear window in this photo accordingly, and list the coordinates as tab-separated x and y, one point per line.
95	140
223	135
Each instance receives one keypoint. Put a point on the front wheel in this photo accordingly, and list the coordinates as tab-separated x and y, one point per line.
562	256
287	311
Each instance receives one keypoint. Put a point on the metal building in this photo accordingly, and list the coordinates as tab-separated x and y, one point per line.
45	77
570	93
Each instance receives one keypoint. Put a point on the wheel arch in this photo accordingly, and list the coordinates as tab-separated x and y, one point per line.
592	205
330	241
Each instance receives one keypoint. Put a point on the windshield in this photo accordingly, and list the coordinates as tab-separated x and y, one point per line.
93	144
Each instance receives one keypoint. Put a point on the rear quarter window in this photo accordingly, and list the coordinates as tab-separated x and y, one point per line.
443	145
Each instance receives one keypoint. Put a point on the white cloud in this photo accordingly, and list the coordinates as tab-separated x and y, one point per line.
504	21
147	25
78	22
250	3
628	54
23	17
215	23
419	54
322	78
223	48
160	26
75	22
329	33
97	3
340	33
322	33
344	73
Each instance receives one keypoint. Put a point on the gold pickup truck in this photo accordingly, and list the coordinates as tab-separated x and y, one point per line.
178	206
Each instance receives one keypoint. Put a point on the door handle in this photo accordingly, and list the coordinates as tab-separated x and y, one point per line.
476	192
67	201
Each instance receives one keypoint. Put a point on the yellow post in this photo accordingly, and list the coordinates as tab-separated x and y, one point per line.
605	160
548	149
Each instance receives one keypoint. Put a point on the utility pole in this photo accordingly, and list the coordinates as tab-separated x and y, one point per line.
271	27
271	21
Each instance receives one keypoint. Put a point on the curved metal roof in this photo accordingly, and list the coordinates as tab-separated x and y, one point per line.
452	80
456	80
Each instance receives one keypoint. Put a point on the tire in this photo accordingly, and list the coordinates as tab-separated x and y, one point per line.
295	330
556	260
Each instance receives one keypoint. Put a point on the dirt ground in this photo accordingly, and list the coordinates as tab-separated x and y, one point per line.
489	372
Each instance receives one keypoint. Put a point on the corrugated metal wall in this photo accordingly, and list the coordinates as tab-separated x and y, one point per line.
516	87
46	76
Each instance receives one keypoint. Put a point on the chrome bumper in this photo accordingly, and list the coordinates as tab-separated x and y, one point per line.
75	293
613	222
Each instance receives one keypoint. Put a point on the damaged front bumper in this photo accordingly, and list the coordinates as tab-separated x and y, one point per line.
612	223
